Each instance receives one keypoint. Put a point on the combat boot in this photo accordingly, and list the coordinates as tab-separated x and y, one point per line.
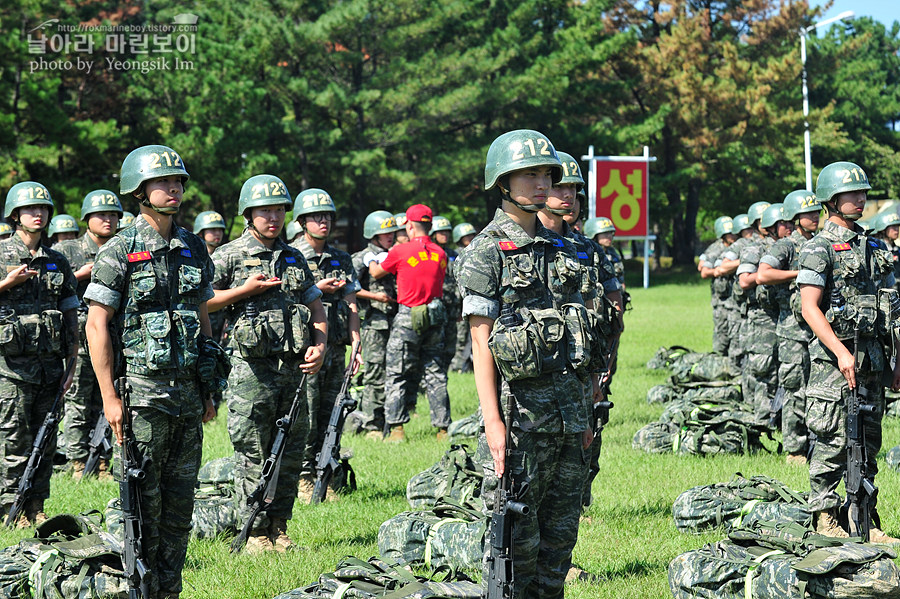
442	434
374	435
280	539
796	459
876	535
827	524
103	472
34	511
397	435
305	488
259	542
77	469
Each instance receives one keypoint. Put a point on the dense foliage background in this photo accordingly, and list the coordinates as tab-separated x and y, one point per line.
389	102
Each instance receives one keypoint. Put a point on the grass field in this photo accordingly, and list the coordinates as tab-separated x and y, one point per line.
627	539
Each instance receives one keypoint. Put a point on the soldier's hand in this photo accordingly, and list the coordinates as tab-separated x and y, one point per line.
210	412
385	298
19	275
587	437
330	284
69	380
85	271
357	363
114	415
495	432
315	356
258	283
847	366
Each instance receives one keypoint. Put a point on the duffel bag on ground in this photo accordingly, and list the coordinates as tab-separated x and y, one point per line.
447	534
666	356
456	476
465	428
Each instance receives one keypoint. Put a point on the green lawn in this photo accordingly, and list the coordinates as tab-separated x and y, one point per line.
628	538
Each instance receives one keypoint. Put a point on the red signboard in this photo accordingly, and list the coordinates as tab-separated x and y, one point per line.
622	195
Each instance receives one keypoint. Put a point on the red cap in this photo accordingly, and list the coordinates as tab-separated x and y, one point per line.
419	213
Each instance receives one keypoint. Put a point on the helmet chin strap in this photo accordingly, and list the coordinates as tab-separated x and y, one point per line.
30	229
532	208
560	211
167	210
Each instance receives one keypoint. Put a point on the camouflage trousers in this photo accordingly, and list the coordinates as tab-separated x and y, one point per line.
793	375
259	393
462	357
735	320
450	333
594	450
826	416
721	328
84	405
759	373
173	444
374	338
410	355
554	468
23	406
322	389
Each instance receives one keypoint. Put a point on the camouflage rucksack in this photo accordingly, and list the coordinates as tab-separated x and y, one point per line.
68	558
709	367
214	510
893	458
447	534
728	504
714	391
769	560
666	356
662	393
465	428
358	579
456	476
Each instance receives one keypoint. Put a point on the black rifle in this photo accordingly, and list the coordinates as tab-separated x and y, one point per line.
38	449
328	458
602	407
500	578
100	446
134	471
261	498
860	490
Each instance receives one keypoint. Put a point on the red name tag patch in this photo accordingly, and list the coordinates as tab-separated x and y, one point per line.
508	245
840	247
139	256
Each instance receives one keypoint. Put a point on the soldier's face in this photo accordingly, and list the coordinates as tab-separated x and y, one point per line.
103	224
730	238
34	217
65	236
384	240
851	203
572	217
892	232
466	240
605	239
561	196
213	237
164	192
531	185
401	237
441	237
319	223
809	221
268	220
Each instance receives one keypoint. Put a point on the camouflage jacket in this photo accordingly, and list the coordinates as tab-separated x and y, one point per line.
369	310
618	265
156	288
850	268
35	346
785	255
503	265
761	295
332	262
733	252
79	252
451	297
710	258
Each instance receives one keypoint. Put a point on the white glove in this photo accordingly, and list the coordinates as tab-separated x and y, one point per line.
370	257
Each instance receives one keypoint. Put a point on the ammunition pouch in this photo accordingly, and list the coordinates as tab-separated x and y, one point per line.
720	287
858	310
583	343
888	311
32	334
530	348
428	315
272	332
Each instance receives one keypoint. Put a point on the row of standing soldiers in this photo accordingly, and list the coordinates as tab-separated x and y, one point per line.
789	296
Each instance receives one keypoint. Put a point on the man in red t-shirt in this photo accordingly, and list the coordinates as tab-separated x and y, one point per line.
417	338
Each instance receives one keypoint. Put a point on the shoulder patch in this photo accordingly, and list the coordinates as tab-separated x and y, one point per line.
874	244
558	242
840	247
139	256
507	246
186	253
252	262
51	266
583	255
335	262
290	260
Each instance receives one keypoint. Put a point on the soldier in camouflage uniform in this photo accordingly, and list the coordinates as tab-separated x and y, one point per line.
719	288
725	267
759	373
5	230
463	233
441	232
150	283
335	277
400	237
210	227
126	221
259	273
100	211
778	270
377	299
841	272
886	227
62	228
516	271
38	328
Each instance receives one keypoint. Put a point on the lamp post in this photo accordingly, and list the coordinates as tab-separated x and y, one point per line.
848	14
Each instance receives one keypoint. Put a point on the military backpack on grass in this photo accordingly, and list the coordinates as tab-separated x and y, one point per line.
465	428
708	391
893	458
665	357
456	476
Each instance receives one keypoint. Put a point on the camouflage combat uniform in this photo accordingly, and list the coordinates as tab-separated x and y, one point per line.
323	387
618	265
738	300
375	330
453	304
848	266
549	412
720	290
31	365
84	404
156	288
263	381
759	372
794	337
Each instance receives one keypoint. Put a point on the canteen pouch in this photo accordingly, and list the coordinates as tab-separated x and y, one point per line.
581	343
888	310
549	329
299	324
188	280
857	308
29	330
514	351
10	336
53	332
158	327
420	318
187	334
261	336
437	313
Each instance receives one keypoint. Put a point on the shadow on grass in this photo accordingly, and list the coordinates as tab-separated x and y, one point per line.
630	569
632	512
380	494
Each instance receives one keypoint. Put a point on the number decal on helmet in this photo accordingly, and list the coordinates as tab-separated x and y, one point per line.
105	199
272	188
316	199
543	150
858	174
808	202
33	193
570	169
171	158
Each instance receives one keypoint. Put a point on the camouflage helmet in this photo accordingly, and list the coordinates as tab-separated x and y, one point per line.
440	223
100	200
865	224
516	150
571	170
800	201
378	222
839	177
313	201
883	220
461	230
400	219
263	190
599	224
209	219
293	229
150	162
62	223
723	226
27	193
5	230
772	215
740	222
126	220
755	211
